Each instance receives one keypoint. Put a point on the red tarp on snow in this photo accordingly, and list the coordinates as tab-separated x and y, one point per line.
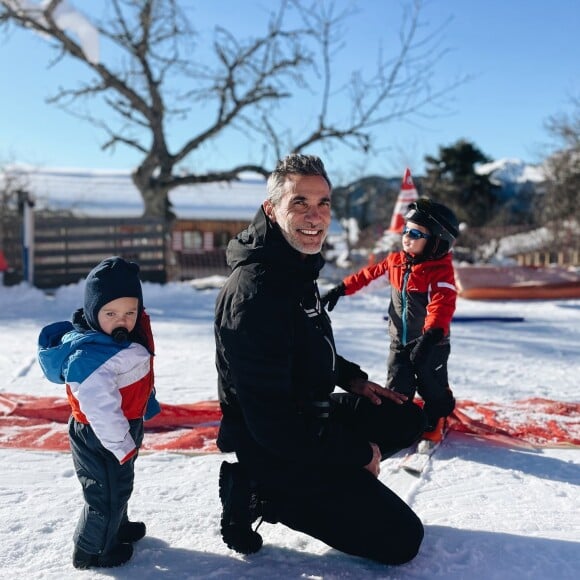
39	423
538	422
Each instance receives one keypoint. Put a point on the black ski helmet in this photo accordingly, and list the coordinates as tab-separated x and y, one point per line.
441	223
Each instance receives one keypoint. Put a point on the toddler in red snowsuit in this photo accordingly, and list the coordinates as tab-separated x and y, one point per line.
423	297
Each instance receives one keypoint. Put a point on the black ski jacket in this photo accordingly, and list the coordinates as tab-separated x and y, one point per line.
276	359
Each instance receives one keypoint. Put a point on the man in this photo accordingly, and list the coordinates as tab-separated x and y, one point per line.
308	458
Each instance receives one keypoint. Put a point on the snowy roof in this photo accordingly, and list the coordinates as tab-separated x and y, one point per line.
106	193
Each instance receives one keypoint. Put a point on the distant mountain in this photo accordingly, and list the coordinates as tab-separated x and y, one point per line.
511	171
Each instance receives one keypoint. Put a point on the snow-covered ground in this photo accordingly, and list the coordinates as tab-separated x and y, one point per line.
490	512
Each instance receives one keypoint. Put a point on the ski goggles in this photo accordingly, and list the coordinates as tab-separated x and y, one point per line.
415	234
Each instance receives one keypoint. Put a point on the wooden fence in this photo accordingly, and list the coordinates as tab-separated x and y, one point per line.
567	257
66	248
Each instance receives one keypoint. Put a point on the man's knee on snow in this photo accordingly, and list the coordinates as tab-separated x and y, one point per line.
406	545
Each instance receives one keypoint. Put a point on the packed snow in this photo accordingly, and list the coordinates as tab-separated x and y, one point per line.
489	511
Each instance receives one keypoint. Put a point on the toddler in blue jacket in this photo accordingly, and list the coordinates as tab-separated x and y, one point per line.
105	358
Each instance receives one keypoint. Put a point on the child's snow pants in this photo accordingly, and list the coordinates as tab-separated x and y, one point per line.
430	379
107	486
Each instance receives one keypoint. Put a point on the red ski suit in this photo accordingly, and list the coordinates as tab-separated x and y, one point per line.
423	295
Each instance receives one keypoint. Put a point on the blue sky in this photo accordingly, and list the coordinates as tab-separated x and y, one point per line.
522	55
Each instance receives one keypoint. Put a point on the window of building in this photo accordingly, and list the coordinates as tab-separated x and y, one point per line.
192	240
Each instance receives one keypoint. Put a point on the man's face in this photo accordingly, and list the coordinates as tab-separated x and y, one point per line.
303	212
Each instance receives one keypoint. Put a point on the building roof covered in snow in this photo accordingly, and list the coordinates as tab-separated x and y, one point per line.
98	193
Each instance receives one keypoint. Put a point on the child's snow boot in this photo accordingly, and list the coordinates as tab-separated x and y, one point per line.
437	432
130	532
116	556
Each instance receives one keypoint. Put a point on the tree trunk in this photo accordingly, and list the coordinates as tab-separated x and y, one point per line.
155	196
156	203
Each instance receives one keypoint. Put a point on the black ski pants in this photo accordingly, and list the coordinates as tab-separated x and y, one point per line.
348	508
429	379
107	486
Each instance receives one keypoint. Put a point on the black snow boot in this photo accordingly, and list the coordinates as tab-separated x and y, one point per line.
239	509
131	532
117	556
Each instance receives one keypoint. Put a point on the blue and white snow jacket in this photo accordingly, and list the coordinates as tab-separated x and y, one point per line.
107	383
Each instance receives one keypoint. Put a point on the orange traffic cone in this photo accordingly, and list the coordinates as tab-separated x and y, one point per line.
407	195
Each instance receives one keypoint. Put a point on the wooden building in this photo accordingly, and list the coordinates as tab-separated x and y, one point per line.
83	216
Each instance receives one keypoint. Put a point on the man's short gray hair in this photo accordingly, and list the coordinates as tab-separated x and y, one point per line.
293	164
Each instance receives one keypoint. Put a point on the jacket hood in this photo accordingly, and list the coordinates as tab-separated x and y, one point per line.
262	242
58	341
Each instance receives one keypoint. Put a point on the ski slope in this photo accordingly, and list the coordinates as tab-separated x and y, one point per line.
490	512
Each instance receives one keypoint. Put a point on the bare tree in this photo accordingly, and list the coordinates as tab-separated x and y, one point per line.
241	88
11	187
559	206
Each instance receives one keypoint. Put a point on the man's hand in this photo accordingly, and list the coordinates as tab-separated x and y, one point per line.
375	465
374	392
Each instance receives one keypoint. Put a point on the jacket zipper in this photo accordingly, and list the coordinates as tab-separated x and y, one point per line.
332	351
405	301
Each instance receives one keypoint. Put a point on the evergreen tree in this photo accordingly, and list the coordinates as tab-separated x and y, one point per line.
451	179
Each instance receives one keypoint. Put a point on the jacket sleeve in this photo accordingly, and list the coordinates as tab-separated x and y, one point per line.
100	401
259	344
153	407
346	371
443	291
48	341
364	276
